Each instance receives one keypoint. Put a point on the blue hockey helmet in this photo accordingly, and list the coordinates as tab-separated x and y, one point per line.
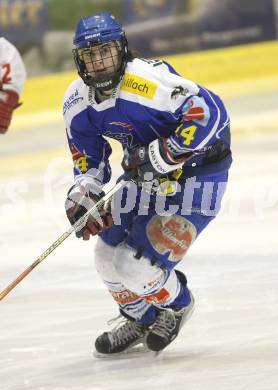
92	32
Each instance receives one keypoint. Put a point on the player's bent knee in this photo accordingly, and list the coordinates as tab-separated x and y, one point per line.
137	274
157	286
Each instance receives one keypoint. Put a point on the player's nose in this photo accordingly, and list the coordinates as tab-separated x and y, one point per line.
98	64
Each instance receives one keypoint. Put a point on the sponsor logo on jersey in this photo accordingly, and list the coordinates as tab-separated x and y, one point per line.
179	90
72	101
139	86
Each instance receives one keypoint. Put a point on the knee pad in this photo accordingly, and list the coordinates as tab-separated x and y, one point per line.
136	273
154	284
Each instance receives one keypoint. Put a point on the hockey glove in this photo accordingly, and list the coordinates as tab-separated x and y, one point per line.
154	165
78	202
8	102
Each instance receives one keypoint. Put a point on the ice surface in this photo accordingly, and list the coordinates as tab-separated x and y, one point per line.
49	322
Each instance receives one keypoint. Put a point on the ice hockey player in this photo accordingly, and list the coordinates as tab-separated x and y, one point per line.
174	133
12	78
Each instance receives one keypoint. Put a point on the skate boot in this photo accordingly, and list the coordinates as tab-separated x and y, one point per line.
121	338
167	326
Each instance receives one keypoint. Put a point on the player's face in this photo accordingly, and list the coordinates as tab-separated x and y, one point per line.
100	60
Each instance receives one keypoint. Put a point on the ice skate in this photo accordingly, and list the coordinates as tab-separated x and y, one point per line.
167	326
121	339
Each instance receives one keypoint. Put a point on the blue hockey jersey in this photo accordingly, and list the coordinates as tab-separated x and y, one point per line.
151	101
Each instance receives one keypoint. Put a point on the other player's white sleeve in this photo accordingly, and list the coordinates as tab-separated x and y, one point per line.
12	69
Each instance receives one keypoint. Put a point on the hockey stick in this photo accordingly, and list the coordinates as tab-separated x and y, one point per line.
62	238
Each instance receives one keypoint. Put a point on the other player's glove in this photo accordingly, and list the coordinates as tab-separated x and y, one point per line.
154	164
8	102
78	202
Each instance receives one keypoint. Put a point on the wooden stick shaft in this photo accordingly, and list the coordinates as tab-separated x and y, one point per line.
37	262
62	238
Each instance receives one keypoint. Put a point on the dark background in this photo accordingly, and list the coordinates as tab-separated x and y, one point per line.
154	27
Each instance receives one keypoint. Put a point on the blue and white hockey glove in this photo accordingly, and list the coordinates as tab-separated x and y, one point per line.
78	202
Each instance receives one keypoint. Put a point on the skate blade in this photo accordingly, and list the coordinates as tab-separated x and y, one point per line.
129	353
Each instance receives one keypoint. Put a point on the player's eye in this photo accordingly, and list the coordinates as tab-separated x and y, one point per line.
105	50
84	55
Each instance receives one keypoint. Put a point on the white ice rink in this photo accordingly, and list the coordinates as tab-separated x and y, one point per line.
49	322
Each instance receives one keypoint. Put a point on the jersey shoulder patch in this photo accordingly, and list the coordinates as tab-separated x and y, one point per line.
197	110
